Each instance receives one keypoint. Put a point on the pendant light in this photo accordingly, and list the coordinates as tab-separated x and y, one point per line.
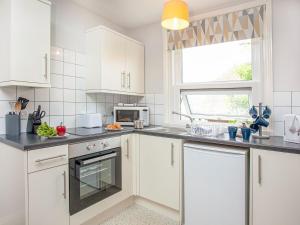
175	15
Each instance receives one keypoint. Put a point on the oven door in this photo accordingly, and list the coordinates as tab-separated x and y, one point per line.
127	116
93	178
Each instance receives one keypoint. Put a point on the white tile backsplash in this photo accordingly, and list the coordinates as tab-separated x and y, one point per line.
5	108
279	112
69	82
69	69
70	121
57	67
80	71
278	128
56	108
56	95
80	84
69	95
57	81
296	99
282	99
69	109
80	96
80	59
80	108
42	94
159	109
91	107
69	56
8	93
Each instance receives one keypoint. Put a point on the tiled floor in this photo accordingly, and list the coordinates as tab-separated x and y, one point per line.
137	215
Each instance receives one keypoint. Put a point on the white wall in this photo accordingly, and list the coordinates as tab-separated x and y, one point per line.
286	45
69	23
151	36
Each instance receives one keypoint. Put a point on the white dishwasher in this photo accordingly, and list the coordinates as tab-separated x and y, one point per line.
215	185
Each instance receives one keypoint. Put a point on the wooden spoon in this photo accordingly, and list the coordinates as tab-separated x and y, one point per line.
18	107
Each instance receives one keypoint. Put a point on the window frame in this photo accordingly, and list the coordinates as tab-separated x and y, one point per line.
261	91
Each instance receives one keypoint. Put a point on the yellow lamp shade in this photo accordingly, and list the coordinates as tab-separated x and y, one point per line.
175	15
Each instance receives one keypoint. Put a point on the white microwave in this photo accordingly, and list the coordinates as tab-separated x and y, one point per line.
126	115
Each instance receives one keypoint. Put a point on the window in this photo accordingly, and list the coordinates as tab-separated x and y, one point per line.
217	82
219	62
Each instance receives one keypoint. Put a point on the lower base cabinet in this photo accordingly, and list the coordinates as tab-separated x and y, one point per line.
275	188
48	196
159	170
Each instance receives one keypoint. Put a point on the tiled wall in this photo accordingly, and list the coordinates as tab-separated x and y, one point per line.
284	103
66	99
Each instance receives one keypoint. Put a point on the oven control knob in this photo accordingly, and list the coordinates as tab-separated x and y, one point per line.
89	147
105	145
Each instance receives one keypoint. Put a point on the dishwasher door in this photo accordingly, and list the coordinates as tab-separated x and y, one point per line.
215	185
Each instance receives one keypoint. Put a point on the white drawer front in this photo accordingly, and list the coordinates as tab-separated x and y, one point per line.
47	157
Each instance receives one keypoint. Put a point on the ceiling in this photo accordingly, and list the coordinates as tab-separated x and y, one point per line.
135	13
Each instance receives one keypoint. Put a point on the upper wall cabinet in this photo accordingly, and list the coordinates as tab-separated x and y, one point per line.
25	43
115	63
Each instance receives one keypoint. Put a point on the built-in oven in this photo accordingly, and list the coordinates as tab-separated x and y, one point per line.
126	115
95	172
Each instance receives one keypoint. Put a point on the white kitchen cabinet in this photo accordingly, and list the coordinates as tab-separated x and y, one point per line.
48	193
275	188
25	56
115	63
160	170
135	66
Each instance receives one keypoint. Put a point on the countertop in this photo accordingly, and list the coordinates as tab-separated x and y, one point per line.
30	141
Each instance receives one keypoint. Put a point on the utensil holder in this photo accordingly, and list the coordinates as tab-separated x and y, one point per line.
12	124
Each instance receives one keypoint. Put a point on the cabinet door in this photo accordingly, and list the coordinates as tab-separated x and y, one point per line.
30	41
135	67
127	165
276	188
49	197
160	170
112	61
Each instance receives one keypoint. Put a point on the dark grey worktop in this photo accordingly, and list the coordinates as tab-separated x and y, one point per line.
30	142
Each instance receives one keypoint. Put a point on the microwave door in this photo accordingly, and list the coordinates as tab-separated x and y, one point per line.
127	117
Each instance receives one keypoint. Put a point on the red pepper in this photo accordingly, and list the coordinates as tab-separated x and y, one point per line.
61	130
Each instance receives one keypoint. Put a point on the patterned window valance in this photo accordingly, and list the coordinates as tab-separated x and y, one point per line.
240	25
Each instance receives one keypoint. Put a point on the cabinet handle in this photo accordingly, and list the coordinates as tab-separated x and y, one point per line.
65	185
46	65
122	79
172	154
129	80
259	170
127	148
49	158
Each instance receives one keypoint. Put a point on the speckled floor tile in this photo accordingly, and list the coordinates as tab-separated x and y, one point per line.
138	215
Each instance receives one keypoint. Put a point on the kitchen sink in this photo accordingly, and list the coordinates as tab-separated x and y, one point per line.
169	130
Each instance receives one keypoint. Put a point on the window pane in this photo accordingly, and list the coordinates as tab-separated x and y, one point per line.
230	104
218	62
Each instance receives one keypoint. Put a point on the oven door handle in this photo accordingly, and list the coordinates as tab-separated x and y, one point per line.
97	159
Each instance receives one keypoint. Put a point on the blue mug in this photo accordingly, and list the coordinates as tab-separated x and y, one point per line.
267	112
232	130
253	112
246	133
260	121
